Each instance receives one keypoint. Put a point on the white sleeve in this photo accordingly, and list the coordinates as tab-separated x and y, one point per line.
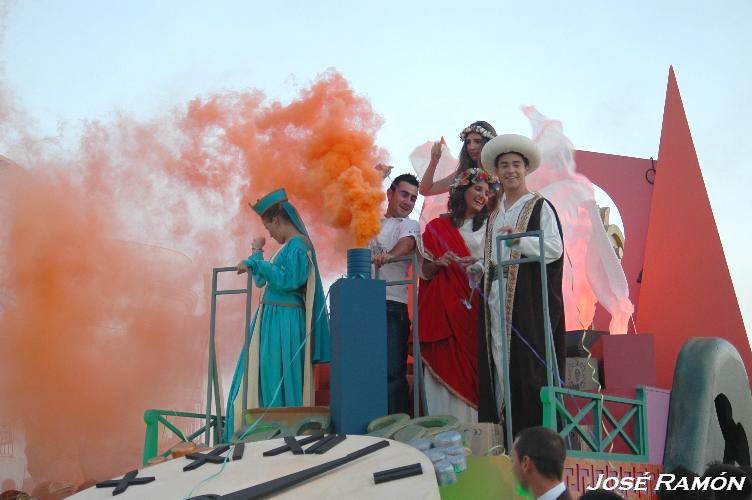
552	243
409	227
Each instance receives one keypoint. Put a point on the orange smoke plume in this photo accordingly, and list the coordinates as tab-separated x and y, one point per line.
92	323
319	147
106	253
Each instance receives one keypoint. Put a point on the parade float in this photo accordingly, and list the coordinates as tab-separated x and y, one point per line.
674	391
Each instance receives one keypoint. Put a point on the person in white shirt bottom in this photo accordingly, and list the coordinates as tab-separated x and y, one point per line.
512	158
538	456
398	237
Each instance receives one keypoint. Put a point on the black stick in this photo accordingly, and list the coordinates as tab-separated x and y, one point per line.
396	469
320	442
294	446
334	441
200	459
284	447
397	473
294	479
127	480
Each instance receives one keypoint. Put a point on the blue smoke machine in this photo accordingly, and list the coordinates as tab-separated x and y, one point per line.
358	378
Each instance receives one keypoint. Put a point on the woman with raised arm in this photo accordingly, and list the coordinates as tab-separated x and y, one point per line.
473	138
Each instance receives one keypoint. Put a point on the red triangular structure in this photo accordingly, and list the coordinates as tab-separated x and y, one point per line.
686	286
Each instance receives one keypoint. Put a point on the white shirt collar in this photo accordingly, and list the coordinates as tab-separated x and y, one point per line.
553	493
522	199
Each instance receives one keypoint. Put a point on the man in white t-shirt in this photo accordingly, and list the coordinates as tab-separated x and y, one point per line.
398	237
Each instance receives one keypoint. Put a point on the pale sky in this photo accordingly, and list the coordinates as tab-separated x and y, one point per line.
428	68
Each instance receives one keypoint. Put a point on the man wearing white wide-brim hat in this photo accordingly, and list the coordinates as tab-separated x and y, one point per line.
512	158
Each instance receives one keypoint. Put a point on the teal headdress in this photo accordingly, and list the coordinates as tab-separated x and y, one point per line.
270	199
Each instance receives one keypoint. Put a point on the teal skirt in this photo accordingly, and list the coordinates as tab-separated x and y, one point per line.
281	356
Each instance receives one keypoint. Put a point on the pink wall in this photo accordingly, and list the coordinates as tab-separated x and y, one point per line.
623	178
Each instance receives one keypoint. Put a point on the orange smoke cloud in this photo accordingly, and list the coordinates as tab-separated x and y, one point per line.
92	323
319	147
106	253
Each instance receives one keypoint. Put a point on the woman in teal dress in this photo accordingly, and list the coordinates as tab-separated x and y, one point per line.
290	330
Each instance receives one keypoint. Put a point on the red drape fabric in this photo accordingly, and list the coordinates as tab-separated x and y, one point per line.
448	329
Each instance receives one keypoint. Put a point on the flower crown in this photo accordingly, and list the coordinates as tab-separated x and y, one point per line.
474	176
478	129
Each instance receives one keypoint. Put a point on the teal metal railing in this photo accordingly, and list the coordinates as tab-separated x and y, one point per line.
552	395
213	387
552	368
214	421
419	388
153	418
597	436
